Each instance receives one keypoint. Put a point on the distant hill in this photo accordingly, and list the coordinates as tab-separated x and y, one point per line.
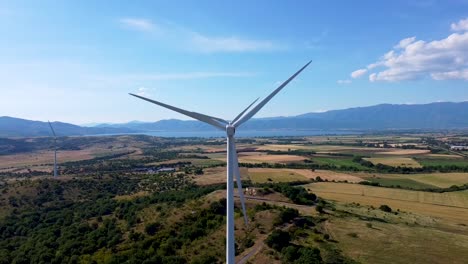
16	127
379	117
390	116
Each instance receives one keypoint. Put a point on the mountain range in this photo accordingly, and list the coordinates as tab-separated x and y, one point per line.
436	116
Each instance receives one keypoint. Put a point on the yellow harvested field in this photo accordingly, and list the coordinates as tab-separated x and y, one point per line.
397	243
309	174
404	151
443	180
445	156
216	175
275	147
202	148
45	157
339	148
269	158
450	206
274	175
327	175
438	179
395	161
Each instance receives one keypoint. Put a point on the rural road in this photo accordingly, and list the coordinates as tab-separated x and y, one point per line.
252	252
257	247
274	201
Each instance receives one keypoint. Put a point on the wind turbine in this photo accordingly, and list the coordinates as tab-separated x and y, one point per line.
232	161
55	150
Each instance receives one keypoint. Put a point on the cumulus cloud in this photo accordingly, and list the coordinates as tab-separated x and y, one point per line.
462	74
412	59
461	25
344	81
358	73
139	24
405	42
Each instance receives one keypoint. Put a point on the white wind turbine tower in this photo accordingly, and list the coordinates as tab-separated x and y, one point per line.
232	161
55	149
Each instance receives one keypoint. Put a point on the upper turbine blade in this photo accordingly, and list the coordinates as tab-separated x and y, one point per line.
214	121
239	184
51	128
240	115
268	98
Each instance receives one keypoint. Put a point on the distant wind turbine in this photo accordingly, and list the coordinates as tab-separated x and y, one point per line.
232	161
55	149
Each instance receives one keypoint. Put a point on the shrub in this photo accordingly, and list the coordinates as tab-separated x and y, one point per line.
286	215
152	228
385	208
319	208
278	239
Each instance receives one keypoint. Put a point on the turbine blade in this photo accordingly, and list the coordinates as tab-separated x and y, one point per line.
214	121
51	128
245	110
268	98
239	184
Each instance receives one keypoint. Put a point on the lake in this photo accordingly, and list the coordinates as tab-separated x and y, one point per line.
250	133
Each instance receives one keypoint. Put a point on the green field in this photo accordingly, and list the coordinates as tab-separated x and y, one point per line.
426	161
338	161
401	182
419	181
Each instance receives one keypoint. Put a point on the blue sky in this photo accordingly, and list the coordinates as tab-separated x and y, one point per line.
76	61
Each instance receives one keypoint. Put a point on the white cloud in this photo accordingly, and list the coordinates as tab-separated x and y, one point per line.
138	24
229	44
344	81
178	36
461	74
320	111
147	78
405	42
412	59
143	91
461	25
358	73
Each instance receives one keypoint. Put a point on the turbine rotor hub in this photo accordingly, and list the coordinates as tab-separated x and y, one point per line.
230	130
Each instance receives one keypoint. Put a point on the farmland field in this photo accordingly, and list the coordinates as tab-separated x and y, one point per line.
337	161
451	206
398	243
159	191
395	161
282	147
420	180
403	181
269	158
287	175
429	161
274	175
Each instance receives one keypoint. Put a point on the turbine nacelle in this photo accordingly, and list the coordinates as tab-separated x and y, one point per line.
230	130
